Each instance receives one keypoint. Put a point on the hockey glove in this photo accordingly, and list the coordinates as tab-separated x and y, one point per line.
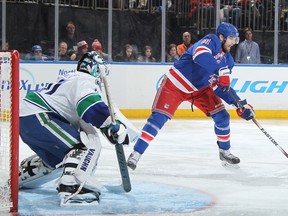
224	79
116	133
246	112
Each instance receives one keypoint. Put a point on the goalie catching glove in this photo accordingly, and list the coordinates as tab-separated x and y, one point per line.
116	133
246	112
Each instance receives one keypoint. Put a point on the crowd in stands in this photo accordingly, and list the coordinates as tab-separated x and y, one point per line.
241	13
248	51
258	14
72	45
71	48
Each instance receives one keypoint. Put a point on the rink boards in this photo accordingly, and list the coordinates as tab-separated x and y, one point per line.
133	86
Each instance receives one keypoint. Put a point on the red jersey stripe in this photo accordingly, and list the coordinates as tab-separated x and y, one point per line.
200	50
180	80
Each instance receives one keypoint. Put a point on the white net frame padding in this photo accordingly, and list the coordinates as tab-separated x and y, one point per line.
9	130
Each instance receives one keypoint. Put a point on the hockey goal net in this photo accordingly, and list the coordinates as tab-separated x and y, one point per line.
9	130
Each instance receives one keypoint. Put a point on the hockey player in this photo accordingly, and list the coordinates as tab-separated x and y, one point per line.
200	76
58	124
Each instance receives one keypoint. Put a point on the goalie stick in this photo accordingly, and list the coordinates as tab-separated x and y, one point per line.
259	126
126	184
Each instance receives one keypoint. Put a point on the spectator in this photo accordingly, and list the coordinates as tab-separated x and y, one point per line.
172	53
82	48
97	47
126	55
147	55
36	54
181	48
64	54
248	51
70	36
230	12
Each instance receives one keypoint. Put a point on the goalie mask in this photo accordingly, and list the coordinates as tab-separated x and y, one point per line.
90	63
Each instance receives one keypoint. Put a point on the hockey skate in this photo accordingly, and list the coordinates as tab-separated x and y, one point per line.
75	195
133	160
228	159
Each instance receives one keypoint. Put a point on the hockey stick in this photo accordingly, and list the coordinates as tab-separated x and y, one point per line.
126	184
259	126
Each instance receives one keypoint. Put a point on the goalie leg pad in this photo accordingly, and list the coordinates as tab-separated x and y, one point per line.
77	185
33	172
88	162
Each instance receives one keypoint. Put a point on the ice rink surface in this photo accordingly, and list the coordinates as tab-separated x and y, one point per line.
181	174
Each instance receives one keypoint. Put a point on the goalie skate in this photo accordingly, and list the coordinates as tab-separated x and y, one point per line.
228	159
83	198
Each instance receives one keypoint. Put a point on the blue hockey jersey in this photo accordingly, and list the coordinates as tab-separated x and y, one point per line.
197	66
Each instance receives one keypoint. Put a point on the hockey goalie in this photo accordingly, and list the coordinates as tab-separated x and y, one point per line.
58	123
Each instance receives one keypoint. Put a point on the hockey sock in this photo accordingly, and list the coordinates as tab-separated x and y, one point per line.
154	123
222	129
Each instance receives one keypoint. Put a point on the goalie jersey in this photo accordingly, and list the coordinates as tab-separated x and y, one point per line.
77	93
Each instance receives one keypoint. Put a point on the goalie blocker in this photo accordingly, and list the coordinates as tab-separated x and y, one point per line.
116	133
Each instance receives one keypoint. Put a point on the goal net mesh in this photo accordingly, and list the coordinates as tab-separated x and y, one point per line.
8	157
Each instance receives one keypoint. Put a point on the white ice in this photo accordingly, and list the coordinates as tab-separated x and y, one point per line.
185	155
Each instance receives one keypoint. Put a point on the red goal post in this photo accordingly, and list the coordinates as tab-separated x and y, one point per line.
9	130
